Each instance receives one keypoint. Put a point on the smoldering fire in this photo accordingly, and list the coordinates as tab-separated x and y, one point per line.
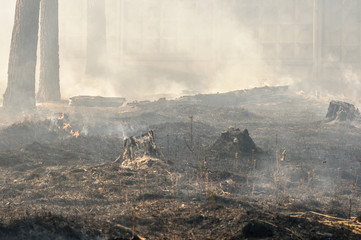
138	129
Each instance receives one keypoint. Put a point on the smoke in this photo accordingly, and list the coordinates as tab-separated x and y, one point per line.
200	49
182	47
194	49
352	82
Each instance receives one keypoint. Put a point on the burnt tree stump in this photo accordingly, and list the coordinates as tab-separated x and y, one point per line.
341	111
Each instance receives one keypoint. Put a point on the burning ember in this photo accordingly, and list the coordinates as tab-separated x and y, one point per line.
75	134
66	125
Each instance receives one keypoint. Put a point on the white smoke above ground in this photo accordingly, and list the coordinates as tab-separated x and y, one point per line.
236	64
341	81
224	57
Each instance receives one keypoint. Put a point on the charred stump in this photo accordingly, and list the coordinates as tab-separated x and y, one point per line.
234	141
341	111
20	92
49	86
139	147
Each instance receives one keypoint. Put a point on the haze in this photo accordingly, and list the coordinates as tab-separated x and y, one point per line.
180	119
171	48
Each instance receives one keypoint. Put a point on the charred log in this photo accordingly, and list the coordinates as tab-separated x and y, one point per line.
97	101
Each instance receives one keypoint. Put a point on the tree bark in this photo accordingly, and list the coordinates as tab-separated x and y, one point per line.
49	85
96	40
20	92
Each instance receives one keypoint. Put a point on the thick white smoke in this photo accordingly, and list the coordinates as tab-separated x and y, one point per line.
216	50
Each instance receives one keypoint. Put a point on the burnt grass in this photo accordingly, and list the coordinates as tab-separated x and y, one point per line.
56	186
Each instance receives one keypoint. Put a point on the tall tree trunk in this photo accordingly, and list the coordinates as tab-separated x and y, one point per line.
20	92
49	86
96	40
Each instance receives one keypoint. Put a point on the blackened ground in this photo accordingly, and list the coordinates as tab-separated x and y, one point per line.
54	185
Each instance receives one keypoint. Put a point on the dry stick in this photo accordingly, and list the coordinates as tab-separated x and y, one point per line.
200	164
254	163
214	214
171	178
168	153
236	160
176	148
355	174
176	188
145	185
277	163
349	212
191	119
276	152
200	180
126	196
309	178
276	181
133	223
327	216
145	180
187	145
120	189
356	180
295	233
252	158
191	149
199	147
212	199
207	181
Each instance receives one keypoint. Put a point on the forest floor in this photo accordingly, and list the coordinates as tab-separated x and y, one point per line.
58	185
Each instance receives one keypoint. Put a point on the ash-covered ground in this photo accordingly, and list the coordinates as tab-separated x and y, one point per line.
292	175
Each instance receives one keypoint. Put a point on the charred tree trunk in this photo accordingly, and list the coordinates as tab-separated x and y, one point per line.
20	92
96	40
49	86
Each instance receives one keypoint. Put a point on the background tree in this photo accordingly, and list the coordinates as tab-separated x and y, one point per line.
96	39
49	86
20	92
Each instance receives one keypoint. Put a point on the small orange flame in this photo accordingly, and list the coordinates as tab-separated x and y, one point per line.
75	134
67	127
